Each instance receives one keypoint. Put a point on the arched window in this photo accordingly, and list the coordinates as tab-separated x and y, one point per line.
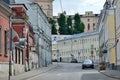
88	26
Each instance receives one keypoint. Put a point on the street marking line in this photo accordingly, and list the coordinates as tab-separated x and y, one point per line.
31	78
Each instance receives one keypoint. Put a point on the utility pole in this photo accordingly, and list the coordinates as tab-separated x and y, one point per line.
10	49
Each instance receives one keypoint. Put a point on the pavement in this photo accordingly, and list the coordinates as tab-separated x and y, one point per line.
29	74
115	74
111	73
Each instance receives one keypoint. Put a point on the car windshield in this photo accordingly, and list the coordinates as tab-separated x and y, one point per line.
87	62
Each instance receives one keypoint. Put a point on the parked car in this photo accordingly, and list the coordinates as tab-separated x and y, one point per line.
55	60
74	61
87	64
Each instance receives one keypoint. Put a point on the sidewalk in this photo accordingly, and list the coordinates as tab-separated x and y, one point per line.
31	73
111	73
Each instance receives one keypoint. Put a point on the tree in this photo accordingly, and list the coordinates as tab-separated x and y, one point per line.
62	23
78	25
53	22
69	25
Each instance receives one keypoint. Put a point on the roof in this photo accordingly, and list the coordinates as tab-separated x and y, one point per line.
81	35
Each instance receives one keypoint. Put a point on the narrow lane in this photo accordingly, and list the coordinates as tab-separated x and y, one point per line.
71	71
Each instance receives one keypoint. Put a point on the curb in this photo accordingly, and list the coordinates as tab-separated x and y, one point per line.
109	75
40	73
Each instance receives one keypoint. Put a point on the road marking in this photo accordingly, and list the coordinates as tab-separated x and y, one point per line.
32	78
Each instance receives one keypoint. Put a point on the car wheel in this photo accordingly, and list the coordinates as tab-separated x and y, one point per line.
92	67
82	67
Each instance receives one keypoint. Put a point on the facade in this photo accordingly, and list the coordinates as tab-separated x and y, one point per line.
24	40
108	40
117	24
79	46
56	38
31	45
89	19
42	31
5	14
46	6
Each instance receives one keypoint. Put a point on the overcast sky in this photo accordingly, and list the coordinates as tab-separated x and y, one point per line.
77	6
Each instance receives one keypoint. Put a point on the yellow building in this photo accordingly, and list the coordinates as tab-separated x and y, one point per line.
79	46
116	4
46	6
107	34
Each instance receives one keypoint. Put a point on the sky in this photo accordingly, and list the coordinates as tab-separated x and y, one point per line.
77	6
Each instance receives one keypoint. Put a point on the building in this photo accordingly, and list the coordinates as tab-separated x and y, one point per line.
56	38
116	4
46	6
108	40
5	14
32	43
22	55
78	46
42	31
89	19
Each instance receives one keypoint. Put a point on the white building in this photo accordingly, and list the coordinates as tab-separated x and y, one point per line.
78	46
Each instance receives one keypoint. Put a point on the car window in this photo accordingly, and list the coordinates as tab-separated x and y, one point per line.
87	62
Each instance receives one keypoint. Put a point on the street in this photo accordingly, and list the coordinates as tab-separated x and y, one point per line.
70	71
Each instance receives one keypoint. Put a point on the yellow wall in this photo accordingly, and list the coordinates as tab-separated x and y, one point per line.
111	25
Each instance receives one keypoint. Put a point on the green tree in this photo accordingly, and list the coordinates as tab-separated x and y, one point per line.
62	24
69	25
78	25
53	22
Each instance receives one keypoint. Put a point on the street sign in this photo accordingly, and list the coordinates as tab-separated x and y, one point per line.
78	53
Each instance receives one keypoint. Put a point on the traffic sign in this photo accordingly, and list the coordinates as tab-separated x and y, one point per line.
78	53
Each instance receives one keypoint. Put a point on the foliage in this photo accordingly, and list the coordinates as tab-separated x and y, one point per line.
66	27
53	22
69	25
62	23
78	25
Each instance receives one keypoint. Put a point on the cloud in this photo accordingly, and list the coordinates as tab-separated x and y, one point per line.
74	6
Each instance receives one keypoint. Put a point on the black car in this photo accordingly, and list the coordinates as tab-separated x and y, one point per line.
55	60
74	61
87	64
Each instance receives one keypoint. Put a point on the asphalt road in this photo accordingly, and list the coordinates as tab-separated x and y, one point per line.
71	71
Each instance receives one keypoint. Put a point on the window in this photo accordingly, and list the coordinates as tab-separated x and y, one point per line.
5	39
48	13
48	6
0	40
88	26
88	20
